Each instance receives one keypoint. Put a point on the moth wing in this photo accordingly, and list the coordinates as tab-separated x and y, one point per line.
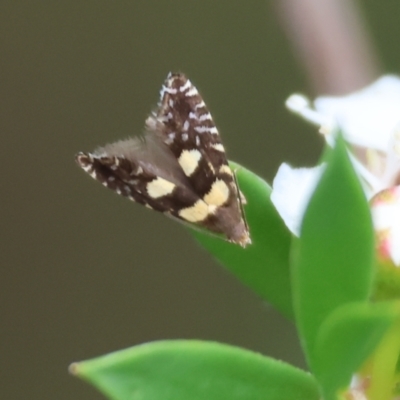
144	171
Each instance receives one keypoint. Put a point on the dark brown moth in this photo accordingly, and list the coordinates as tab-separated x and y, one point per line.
179	167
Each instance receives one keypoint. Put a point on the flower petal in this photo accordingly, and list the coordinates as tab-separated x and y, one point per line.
291	191
368	117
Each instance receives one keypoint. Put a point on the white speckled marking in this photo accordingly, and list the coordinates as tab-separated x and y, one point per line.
218	147
197	141
169	90
205	117
200	105
186	125
159	187
167	117
87	168
192	92
185	137
218	194
201	129
189	161
185	86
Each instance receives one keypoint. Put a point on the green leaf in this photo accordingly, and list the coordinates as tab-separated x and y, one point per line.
263	265
333	259
195	370
346	339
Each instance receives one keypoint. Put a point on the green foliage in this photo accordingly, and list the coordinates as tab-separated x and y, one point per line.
181	370
333	260
345	340
324	279
264	265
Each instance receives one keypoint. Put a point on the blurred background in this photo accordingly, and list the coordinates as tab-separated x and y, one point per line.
84	271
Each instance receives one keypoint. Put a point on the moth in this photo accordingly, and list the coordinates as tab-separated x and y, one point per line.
178	167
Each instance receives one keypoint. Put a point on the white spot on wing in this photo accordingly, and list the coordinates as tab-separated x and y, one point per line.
205	117
87	168
185	86
170	90
186	125
166	117
218	147
185	137
200	105
170	139
159	187
202	129
189	161
192	92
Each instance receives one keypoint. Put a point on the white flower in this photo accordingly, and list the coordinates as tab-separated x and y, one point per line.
292	189
370	122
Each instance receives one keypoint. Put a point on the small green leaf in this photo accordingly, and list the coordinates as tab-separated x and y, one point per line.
346	339
333	259
195	370
263	265
382	365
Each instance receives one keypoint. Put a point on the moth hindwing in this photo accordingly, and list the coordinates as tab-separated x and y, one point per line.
178	168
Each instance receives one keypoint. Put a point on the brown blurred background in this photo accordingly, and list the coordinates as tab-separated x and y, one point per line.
84	271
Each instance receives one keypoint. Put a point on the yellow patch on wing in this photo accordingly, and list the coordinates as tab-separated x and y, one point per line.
218	194
196	213
159	187
225	170
189	161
